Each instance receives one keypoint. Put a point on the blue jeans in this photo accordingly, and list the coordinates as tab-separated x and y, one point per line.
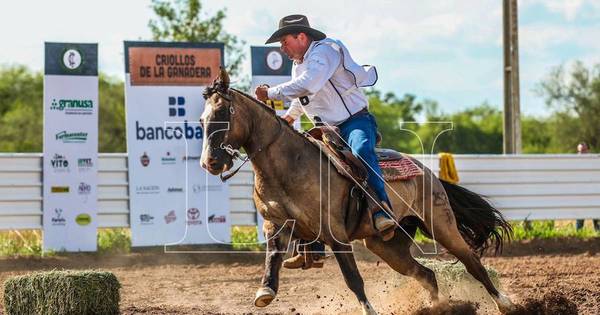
360	132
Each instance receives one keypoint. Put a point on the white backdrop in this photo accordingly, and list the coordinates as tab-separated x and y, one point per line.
70	147
172	199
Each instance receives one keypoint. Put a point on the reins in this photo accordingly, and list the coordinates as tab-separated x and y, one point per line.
235	153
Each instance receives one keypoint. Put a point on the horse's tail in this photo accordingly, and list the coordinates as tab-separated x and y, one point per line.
480	224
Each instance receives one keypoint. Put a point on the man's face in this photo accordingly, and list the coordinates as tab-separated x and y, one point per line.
294	47
582	148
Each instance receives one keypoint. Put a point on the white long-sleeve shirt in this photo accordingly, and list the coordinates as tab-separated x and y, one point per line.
318	77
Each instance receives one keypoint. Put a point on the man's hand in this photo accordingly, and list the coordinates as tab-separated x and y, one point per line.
261	93
288	118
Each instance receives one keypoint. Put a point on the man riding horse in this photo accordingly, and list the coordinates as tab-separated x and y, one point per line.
326	85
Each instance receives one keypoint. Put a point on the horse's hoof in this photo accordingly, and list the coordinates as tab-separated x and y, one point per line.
504	304
264	296
367	309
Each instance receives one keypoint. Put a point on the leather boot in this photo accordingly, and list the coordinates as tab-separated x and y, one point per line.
382	223
295	262
300	260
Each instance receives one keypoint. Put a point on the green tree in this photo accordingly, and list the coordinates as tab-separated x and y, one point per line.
473	130
537	135
575	96
181	20
21	111
111	116
22	127
19	85
390	112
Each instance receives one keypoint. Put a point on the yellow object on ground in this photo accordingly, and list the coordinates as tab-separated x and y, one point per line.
448	170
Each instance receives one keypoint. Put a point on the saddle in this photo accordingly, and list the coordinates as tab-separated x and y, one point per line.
395	165
328	139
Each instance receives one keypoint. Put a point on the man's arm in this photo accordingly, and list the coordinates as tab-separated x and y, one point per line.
294	112
321	64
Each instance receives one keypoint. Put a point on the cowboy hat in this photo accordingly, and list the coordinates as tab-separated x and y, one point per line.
293	24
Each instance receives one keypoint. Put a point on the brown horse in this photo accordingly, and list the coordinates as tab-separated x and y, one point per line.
301	196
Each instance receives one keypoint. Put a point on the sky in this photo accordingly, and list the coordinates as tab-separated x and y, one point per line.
442	50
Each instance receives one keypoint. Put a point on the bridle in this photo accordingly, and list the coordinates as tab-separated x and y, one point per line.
234	153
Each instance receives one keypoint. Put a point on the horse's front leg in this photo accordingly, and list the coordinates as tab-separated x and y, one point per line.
345	258
273	261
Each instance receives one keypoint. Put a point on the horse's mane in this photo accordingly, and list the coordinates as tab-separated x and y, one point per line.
271	112
220	86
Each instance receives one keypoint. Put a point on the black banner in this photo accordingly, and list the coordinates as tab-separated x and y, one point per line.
269	61
71	59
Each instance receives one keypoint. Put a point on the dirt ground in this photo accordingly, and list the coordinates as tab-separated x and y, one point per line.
158	283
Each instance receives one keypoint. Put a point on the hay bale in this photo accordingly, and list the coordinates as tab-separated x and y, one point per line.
452	271
62	293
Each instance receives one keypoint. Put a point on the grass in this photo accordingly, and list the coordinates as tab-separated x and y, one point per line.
543	229
118	240
245	238
110	241
114	241
548	229
21	243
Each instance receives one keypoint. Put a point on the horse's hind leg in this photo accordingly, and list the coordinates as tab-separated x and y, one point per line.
459	248
396	253
445	231
345	258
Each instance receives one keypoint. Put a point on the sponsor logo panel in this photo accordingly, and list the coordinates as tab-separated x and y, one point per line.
59	163
72	137
58	219
193	216
147	189
85	164
59	189
170	217
73	106
146	219
83	219
213	218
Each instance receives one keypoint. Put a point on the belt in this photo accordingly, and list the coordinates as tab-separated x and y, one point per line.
362	112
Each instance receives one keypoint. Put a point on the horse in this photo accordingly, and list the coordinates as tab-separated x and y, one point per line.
293	181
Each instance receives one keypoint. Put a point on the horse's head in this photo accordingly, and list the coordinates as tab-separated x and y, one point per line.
224	129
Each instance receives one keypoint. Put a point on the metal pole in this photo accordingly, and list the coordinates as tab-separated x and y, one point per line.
516	90
512	112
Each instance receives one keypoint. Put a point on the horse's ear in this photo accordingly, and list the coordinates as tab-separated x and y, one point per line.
223	80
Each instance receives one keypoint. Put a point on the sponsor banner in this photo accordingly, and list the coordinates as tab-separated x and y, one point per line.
169	202
270	66
70	147
172	64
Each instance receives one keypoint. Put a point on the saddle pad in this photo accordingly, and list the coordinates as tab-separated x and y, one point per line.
402	169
